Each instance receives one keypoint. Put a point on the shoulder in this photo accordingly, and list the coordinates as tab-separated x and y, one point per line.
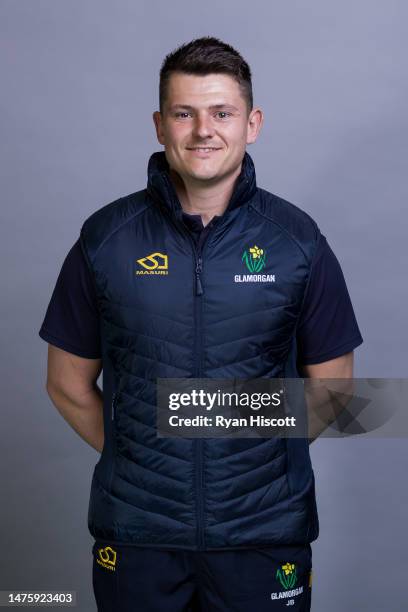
102	224
298	225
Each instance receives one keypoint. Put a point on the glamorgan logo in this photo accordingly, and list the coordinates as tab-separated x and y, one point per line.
107	558
254	259
286	576
156	263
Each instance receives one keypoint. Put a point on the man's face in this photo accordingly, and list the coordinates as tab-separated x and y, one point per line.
205	126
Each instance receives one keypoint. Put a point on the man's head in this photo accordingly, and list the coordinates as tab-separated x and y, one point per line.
206	116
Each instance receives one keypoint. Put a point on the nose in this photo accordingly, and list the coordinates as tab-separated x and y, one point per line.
203	127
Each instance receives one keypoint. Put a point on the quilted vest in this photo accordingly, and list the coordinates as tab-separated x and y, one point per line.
193	319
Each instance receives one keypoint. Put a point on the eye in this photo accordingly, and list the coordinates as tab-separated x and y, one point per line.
223	114
182	115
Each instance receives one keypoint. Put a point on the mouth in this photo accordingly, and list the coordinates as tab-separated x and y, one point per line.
204	149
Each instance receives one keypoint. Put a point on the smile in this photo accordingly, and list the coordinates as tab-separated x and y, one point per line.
205	149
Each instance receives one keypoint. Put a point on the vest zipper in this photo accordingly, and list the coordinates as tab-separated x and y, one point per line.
199	269
198	443
198	307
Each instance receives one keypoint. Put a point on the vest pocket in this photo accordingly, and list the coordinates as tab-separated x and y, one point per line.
112	454
115	396
113	405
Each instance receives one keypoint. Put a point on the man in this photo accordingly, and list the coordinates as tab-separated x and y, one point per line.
203	275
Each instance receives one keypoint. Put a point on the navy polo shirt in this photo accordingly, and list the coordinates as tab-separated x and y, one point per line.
327	327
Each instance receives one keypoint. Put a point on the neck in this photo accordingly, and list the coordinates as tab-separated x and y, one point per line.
207	201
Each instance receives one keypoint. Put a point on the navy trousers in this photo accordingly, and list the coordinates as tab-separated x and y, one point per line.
132	579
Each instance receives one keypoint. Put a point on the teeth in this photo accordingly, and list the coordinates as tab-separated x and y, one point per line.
203	149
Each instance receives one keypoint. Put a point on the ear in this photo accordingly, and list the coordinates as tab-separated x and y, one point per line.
158	123
255	121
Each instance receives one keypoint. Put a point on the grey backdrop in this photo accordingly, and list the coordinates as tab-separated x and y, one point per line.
79	83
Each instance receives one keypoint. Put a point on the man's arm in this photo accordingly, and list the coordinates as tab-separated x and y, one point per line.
322	410
341	367
71	385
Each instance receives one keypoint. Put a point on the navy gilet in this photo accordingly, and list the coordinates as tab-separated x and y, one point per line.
170	311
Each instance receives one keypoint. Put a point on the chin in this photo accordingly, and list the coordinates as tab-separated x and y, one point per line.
203	176
203	171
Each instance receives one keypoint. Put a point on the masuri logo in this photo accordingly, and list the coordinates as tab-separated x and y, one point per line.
156	263
107	558
254	259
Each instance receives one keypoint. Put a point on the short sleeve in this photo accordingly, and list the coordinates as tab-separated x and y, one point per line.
72	318
327	326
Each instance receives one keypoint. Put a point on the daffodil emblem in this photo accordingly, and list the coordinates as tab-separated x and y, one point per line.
254	258
287	575
288	568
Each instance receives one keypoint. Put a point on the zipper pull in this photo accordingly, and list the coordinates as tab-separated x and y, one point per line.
199	286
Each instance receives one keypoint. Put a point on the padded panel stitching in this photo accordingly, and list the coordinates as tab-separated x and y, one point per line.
138	399
230	499
234	476
132	505
175	501
135	333
252	312
253	514
245	450
156	361
148	469
145	312
259	355
155	450
242	338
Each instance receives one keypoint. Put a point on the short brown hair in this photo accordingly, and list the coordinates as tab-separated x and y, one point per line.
207	55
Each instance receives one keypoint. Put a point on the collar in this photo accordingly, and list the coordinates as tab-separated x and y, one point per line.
160	186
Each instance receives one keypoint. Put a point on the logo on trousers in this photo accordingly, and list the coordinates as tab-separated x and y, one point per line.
107	558
286	576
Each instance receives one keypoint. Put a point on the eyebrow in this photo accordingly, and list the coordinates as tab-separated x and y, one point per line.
213	107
